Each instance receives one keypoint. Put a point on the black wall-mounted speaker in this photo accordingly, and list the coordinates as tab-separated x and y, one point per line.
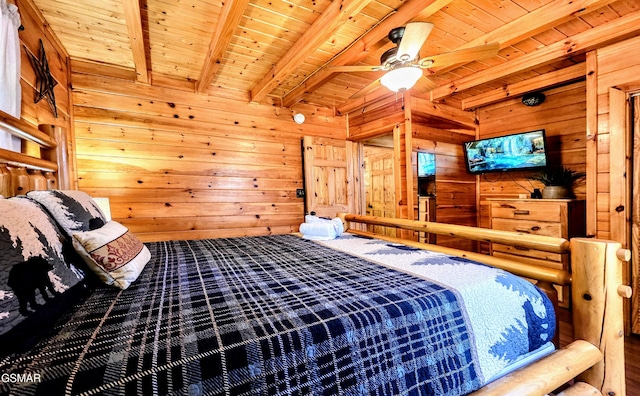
533	99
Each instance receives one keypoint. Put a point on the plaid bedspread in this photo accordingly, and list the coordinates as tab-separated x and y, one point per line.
253	316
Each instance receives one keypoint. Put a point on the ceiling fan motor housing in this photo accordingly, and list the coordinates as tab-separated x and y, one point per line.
389	57
395	34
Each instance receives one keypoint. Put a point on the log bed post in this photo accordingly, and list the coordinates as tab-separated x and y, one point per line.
597	292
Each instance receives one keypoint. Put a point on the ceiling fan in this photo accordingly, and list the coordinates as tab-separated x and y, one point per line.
404	65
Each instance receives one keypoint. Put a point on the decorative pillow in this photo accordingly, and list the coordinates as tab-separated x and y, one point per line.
113	253
34	278
73	210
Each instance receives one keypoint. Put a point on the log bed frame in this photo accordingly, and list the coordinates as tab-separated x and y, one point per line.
593	364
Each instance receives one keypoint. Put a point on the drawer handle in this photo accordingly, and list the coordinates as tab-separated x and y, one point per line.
527	230
520	212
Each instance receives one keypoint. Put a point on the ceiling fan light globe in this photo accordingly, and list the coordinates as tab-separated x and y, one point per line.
401	79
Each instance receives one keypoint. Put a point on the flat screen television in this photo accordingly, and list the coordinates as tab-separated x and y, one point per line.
426	174
518	151
426	164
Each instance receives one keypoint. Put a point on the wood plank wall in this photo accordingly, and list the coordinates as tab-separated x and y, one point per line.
179	165
562	115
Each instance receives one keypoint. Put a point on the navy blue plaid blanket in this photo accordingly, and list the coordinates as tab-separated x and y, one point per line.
257	316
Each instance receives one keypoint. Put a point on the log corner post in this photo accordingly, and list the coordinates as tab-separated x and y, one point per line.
597	277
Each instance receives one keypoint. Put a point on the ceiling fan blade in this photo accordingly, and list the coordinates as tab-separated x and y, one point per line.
424	85
415	34
460	56
356	68
367	90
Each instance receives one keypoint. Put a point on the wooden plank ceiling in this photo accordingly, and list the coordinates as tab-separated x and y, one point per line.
278	51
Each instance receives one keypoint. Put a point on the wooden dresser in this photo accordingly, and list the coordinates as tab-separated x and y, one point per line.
563	218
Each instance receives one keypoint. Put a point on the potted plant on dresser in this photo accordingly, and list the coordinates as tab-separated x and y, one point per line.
558	181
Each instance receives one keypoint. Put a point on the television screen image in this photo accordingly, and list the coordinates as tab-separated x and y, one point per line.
426	164
426	174
526	150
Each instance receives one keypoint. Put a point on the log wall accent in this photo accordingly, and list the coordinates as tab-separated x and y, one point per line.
562	115
180	165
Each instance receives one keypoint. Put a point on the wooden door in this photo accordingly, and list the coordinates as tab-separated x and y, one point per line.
330	179
635	215
380	185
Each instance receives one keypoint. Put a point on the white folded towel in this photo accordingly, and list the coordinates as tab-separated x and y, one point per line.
321	229
315	219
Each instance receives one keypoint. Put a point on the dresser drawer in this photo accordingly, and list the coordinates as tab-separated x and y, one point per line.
545	211
537	257
532	227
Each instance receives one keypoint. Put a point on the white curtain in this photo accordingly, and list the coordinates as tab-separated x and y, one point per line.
10	91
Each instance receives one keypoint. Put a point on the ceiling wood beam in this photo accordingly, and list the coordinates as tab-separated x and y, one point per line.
457	119
540	20
334	16
366	100
230	16
605	34
89	67
136	38
544	81
367	44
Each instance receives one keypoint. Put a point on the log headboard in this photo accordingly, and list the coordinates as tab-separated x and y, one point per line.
42	157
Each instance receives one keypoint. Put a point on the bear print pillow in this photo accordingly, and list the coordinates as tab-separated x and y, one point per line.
75	211
33	271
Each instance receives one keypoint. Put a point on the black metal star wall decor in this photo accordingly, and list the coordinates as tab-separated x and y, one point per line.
44	80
